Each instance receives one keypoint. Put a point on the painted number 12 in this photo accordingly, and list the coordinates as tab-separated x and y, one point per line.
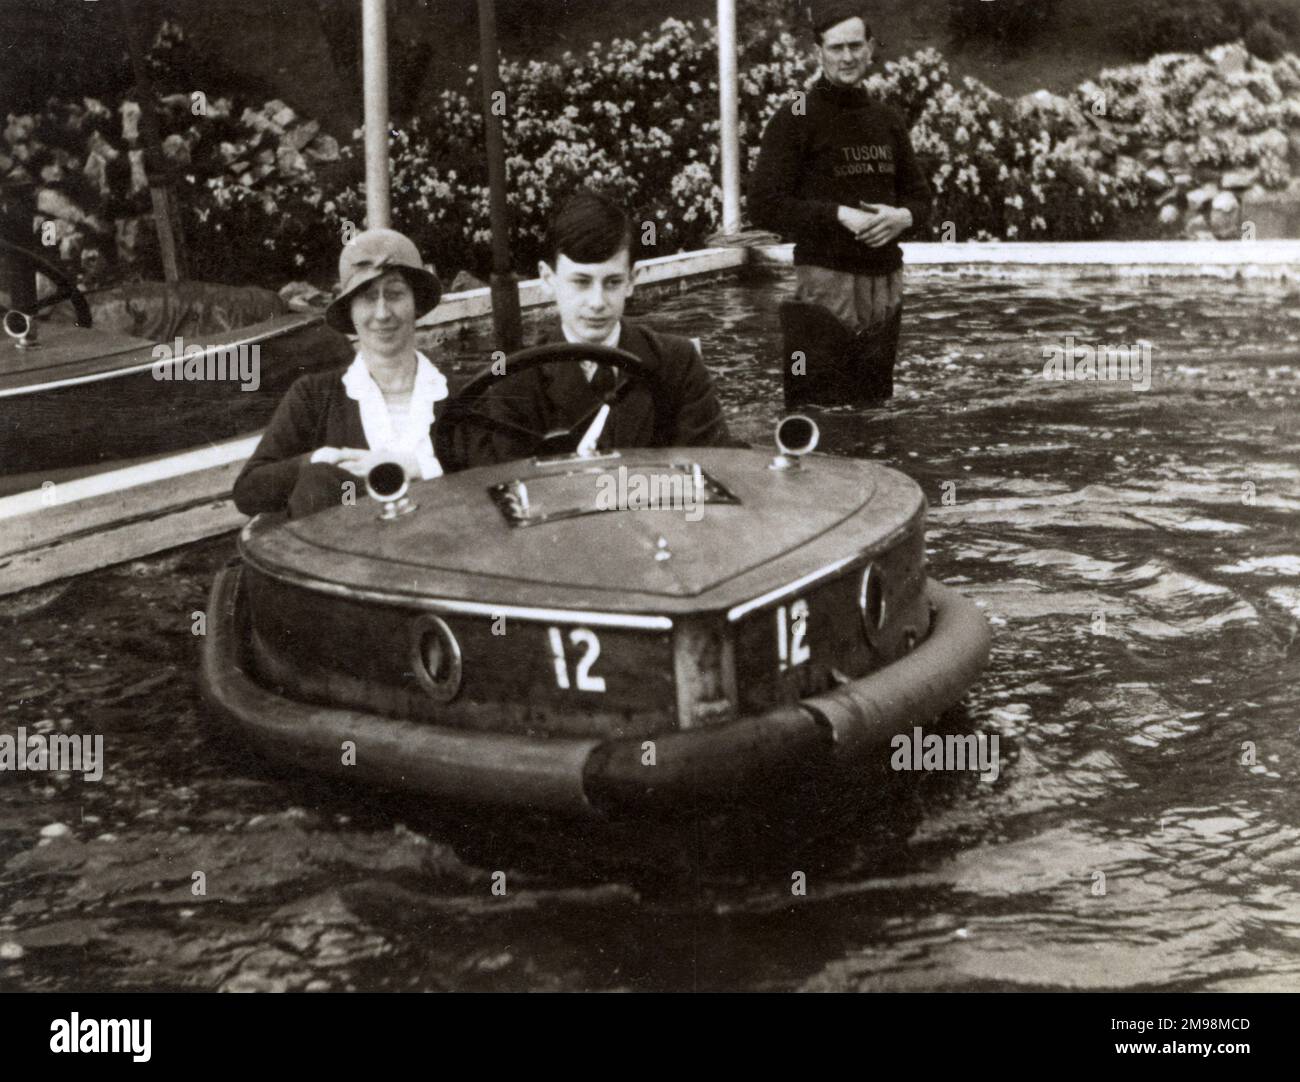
791	629
582	678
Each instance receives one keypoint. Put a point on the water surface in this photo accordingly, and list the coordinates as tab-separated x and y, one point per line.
1136	553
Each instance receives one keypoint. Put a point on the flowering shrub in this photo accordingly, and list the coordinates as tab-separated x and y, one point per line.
1236	120
636	118
999	172
247	190
265	196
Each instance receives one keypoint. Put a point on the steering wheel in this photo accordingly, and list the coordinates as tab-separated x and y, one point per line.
465	410
67	289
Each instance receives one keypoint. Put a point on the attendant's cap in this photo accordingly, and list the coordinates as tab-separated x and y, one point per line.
823	14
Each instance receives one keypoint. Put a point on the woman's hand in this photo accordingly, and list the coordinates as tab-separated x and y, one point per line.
349	458
359	461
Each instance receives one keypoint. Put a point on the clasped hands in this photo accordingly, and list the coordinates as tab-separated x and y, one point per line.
876	224
359	461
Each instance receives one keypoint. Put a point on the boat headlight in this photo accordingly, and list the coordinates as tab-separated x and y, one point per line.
871	600
387	482
796	436
21	328
437	660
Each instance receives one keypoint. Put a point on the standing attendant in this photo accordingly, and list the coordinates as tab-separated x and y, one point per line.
332	427
836	172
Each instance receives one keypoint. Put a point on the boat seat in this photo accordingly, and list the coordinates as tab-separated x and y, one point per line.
161	311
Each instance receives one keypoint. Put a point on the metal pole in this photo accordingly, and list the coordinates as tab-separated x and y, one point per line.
374	78
506	320
730	116
161	193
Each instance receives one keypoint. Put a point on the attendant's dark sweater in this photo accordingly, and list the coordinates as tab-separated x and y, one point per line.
842	149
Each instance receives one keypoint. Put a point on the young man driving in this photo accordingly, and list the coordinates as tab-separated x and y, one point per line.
590	276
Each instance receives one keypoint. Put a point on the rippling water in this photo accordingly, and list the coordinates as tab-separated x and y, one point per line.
1137	554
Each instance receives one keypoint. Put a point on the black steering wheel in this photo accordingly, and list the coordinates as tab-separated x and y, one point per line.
66	288
465	411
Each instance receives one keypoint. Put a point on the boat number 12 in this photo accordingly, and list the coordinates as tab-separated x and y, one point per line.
791	629
586	642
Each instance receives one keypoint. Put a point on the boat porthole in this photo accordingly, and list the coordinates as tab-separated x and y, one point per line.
436	659
871	600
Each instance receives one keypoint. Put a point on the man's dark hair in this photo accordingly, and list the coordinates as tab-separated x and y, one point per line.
823	14
590	228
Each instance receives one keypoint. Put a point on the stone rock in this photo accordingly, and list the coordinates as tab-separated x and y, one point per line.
324	148
1174	154
1156	177
52	173
299	137
11	951
1224	216
289	161
1148	156
1169	214
1196	224
304	297
1230	59
6	163
1198	198
1272	215
464	281
281	115
1238	179
1184	180
55	830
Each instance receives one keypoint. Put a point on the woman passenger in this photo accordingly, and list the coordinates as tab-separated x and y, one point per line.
331	427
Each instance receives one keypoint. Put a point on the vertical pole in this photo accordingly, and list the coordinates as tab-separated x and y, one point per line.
374	76
17	209
730	116
161	193
506	320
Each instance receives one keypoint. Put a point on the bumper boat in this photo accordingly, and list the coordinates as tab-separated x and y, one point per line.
596	631
82	386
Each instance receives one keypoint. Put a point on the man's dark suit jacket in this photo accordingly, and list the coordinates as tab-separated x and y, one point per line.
559	396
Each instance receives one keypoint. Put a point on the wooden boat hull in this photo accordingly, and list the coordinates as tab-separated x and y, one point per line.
90	414
703	768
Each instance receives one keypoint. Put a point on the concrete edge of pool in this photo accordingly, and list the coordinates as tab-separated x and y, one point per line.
138	511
